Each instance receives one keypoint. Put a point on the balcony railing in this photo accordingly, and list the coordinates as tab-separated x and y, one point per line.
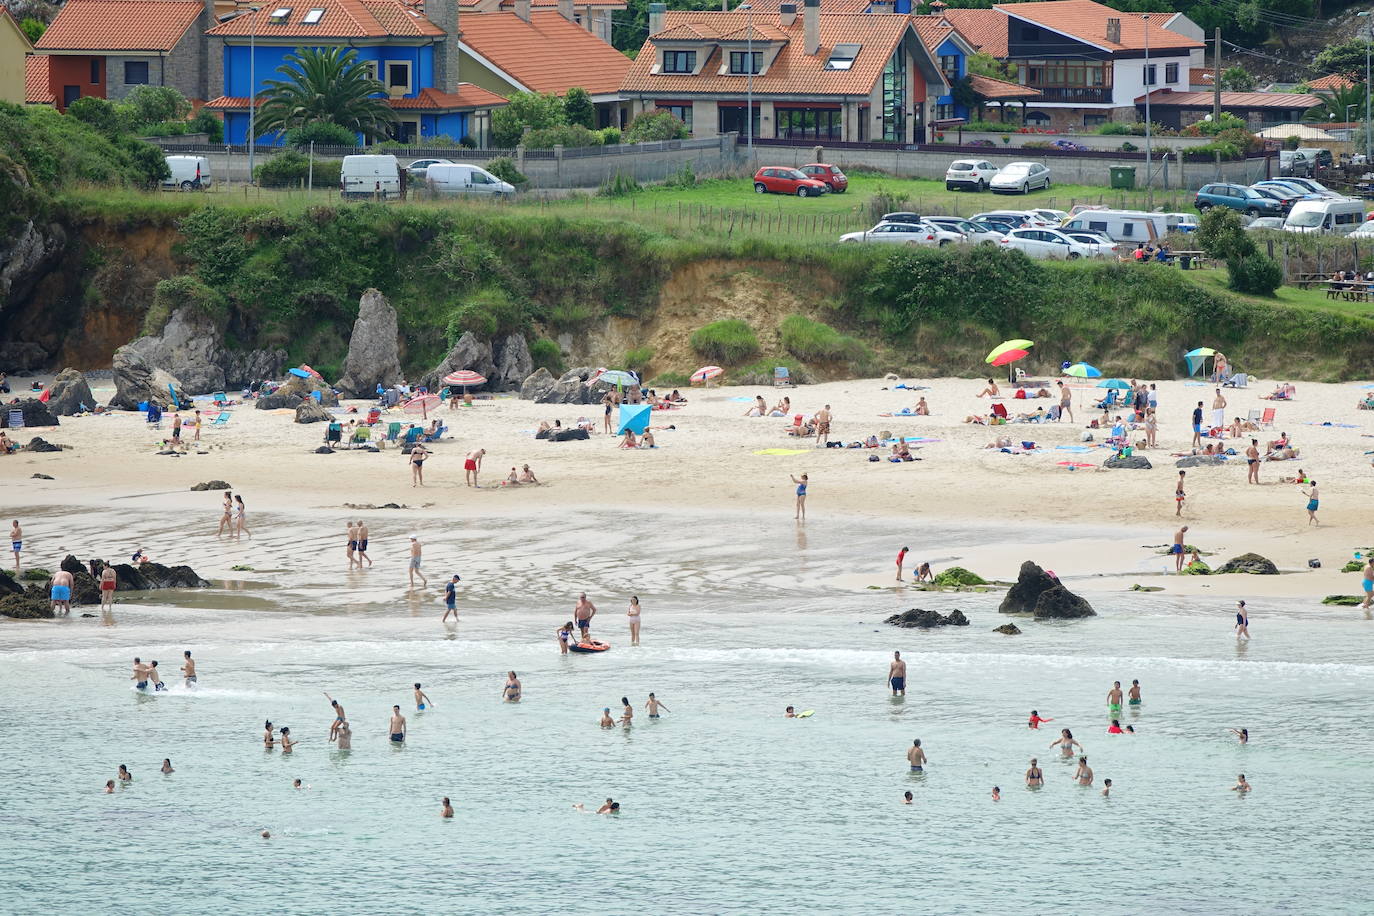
1081	94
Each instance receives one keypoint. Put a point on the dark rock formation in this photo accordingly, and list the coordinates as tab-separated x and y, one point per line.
1008	629
568	435
1135	463
468	353
128	578
9	585
1037	592
537	384
31	604
40	477
211	485
35	412
27	253
39	444
1059	603
190	347
917	618
1251	563
374	356
572	388
308	411
1199	461
512	363
137	381
324	450
244	367
69	394
296	388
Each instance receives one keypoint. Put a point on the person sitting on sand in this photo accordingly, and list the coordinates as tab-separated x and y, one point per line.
7	445
676	397
782	408
902	450
647	440
630	441
922	409
990	391
758	409
527	476
512	479
804	431
1283	392
544	426
1280	442
1367	403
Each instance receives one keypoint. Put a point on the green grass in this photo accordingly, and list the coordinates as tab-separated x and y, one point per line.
728	341
816	341
1291	296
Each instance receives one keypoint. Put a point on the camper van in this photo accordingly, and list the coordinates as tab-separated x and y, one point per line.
1121	225
1325	217
365	177
460	178
189	173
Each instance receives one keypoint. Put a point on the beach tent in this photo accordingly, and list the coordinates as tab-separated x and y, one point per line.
1197	359
634	417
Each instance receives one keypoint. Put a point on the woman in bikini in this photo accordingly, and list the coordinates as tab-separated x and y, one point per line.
225	520
511	692
1035	777
633	614
268	741
241	522
418	454
1066	743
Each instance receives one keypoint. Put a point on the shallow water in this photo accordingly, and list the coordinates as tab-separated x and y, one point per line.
728	807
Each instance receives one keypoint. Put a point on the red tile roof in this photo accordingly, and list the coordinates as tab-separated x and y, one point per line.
827	6
37	84
933	31
467	96
1330	82
119	25
548	4
792	71
990	88
341	19
1086	21
1199	76
1231	99
986	30
231	103
546	54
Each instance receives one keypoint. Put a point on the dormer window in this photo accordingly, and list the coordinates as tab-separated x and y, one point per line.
842	57
679	61
279	15
746	62
312	17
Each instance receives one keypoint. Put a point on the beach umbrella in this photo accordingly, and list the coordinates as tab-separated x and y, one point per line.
1006	357
1197	358
616	377
1083	370
421	404
1113	383
464	378
1018	345
707	372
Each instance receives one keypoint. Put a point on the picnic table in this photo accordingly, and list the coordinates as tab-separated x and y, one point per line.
1199	259
1349	290
1307	281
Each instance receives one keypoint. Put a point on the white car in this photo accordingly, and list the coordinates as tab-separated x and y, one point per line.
1046	243
978	233
969	173
1053	217
1101	246
420	167
1364	230
1020	178
905	234
1265	222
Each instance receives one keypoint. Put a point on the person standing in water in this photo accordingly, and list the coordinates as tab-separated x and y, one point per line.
565	637
653	706
627	712
801	495
345	739
606	720
416	551
583	612
1084	774
447	809
1242	621
1066	743
1114	699
140	675
287	745
901	558
398	725
61	591
451	598
422	700
633	613
351	549
1368	581
226	518
1312	503
269	740
361	531
1177	547
1035	777
241	520
108	584
916	757
1106	788
155	677
16	541
1242	734
188	668
338	716
896	675
511	692
1241	785
1036	720
167	766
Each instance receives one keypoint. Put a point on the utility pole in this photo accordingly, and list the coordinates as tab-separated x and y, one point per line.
1149	88
1216	77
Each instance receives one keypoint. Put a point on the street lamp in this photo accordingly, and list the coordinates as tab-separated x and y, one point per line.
1149	182
1369	35
749	78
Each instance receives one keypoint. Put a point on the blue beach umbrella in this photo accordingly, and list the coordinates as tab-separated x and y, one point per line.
1113	383
1083	370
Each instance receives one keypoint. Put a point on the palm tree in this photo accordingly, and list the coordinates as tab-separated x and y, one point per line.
327	86
1336	102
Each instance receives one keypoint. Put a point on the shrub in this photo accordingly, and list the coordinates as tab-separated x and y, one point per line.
568	135
1113	128
656	125
290	169
524	110
98	113
578	108
155	104
885	201
1037	144
146	161
503	167
727	341
1221	234
322	134
761	372
488	312
813	340
206	123
1129	147
1257	274
618	185
637	360
1292	142
610	136
683	178
546	354
181	292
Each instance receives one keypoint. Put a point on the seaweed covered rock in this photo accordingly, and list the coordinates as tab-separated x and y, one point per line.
1250	563
1134	463
957	576
1008	629
1196	568
211	485
917	618
30	604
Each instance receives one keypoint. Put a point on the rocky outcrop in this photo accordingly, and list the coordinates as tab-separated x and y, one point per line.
244	367
537	384
374	356
69	394
31	604
35	412
128	578
957	577
572	388
296	388
512	363
39	444
210	485
468	353
1199	461
1037	592
1008	629
917	618
1251	563
27	253
136	381
1133	463
190	347
1343	600
308	411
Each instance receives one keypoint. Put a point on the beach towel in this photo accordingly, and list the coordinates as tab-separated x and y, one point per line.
1329	423
927	387
1074	448
783	451
904	412
910	439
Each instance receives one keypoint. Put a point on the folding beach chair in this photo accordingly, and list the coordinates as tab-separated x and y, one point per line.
373	416
782	377
1254	416
220	398
361	436
392	431
333	433
16	419
413	435
222	419
1267	419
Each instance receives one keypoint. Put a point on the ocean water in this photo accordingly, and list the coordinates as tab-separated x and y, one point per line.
727	806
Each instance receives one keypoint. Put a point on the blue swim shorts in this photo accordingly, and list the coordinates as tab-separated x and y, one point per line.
61	593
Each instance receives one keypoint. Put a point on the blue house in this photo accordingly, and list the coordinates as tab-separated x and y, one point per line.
408	51
951	51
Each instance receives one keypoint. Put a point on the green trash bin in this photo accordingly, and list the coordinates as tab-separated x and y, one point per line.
1123	176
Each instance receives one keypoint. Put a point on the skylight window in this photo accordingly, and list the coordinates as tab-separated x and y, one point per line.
313	16
279	15
842	57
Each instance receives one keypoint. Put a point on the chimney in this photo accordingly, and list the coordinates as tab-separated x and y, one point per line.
656	13
811	22
444	14
522	9
1114	31
565	9
787	14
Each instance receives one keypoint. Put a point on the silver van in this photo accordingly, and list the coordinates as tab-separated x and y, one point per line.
461	178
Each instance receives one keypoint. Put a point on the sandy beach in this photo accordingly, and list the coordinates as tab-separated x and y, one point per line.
1113	521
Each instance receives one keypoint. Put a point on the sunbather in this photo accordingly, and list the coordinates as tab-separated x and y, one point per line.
990	391
630	440
647	440
782	408
976	418
1282	392
922	408
999	442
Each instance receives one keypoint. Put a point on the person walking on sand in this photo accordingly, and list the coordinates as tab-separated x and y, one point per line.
1312	503
1368	581
398	725
188	669
1065	401
901	558
351	549
1177	548
583	612
415	556
451	598
16	541
242	518
1179	495
1242	621
634	613
1151	427
107	588
1197	425
472	465
896	675
362	544
418	454
801	495
195	422
916	757
226	519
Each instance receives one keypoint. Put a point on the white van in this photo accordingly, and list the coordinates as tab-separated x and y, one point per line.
370	176
1121	225
190	173
460	178
1325	217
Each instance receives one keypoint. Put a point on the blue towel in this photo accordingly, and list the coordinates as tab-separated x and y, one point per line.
1074	448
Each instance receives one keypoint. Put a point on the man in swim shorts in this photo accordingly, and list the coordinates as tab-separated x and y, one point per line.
1197	425
896	675
398	725
62	592
415	555
16	541
1133	695
653	706
583	613
1368	581
140	675
916	757
472	464
361	532
1177	547
1179	495
451	599
188	668
352	548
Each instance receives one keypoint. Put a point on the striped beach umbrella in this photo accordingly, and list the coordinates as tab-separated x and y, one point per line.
707	372
465	378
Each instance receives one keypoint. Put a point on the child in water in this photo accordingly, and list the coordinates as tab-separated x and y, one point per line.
1035	720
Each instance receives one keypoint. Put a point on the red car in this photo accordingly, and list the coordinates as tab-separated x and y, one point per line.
779	179
830	174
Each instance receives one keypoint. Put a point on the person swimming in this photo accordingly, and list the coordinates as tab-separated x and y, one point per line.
789	713
1243	734
1115	728
606	720
996	793
1241	785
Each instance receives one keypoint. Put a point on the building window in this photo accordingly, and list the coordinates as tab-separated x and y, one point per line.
279	15
944	112
398	76
1150	74
682	112
809	123
1037	119
842	57
732	120
894	112
135	73
1094	120
949	66
95	71
1171	73
740	61
679	61
313	16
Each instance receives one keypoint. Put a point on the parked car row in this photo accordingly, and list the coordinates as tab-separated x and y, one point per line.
981	175
1294	204
811	180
